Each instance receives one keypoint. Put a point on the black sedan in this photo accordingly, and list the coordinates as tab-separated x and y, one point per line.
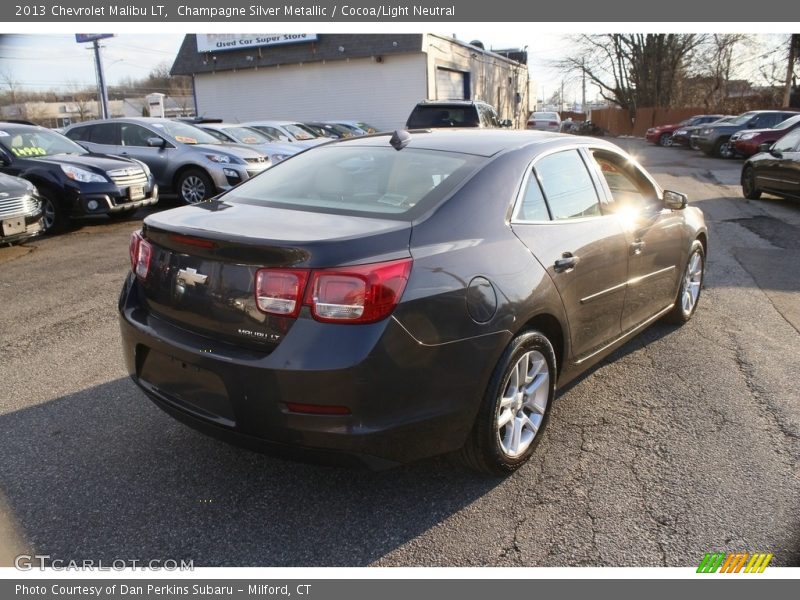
396	297
774	171
73	182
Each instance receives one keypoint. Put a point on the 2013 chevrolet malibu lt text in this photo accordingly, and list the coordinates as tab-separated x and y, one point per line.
396	297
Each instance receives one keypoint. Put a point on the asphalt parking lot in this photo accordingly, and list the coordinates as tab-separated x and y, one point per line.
685	441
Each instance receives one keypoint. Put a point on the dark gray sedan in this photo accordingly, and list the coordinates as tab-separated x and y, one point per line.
396	297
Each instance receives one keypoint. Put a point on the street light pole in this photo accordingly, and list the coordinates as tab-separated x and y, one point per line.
101	81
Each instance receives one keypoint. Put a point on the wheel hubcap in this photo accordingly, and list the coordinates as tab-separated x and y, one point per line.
49	214
193	189
691	283
725	150
523	403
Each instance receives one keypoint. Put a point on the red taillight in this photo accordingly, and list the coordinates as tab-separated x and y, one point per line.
359	294
140	253
553	123
280	291
192	241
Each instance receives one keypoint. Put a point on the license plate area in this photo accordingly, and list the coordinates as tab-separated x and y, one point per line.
135	192
192	388
13	226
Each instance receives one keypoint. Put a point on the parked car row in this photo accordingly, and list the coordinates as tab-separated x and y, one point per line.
727	136
769	140
114	167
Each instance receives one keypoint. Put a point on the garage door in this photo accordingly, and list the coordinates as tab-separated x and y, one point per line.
451	85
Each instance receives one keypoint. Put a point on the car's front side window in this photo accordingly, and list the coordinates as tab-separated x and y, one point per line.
629	188
567	186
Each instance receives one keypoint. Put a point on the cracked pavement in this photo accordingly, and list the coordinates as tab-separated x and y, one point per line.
685	441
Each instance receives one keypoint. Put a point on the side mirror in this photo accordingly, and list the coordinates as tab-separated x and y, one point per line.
675	200
765	147
506	123
156	142
751	125
5	159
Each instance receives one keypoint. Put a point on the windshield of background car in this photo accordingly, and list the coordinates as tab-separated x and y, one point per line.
184	133
741	119
423	117
359	180
790	122
545	116
245	135
299	132
38	142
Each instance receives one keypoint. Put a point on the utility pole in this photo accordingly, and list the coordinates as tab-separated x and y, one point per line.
101	81
583	85
794	54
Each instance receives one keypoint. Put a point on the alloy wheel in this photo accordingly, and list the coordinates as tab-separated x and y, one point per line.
193	189
48	214
523	403
692	279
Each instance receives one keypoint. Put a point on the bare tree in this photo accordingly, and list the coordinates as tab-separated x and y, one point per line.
714	68
633	70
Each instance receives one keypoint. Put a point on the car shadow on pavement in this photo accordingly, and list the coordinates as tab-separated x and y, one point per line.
103	474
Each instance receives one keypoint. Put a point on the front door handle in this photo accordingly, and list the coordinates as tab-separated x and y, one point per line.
566	262
637	246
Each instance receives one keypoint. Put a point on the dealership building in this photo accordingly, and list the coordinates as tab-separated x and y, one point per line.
376	78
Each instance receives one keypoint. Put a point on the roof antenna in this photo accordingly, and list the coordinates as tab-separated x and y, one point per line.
400	139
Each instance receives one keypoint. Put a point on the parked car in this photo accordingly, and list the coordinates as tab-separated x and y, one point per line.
776	170
72	182
663	134
682	135
288	131
184	160
544	121
228	133
692	132
714	139
330	130
399	296
433	114
20	210
748	142
359	127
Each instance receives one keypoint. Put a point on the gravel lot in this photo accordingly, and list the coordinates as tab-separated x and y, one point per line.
684	441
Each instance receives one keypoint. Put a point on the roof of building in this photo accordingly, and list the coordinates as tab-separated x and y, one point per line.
326	47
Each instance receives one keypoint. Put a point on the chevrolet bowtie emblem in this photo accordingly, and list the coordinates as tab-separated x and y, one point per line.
191	277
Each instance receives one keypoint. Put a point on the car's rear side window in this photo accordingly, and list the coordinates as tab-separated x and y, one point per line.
359	180
567	186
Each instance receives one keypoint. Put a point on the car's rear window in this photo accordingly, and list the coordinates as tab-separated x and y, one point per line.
545	116
423	117
359	180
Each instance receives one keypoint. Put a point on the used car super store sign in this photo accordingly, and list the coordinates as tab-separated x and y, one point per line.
214	42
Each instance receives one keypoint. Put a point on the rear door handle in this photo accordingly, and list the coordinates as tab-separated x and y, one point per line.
566	262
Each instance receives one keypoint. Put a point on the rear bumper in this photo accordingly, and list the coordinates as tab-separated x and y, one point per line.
407	401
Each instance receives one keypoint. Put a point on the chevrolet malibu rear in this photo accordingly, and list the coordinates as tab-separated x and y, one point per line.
393	298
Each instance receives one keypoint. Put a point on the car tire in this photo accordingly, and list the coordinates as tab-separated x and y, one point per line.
693	145
749	188
665	140
722	148
691	285
194	186
54	217
515	407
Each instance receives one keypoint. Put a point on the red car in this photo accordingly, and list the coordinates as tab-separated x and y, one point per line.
662	135
747	141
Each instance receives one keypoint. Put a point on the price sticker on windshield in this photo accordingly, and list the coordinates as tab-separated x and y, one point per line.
29	151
